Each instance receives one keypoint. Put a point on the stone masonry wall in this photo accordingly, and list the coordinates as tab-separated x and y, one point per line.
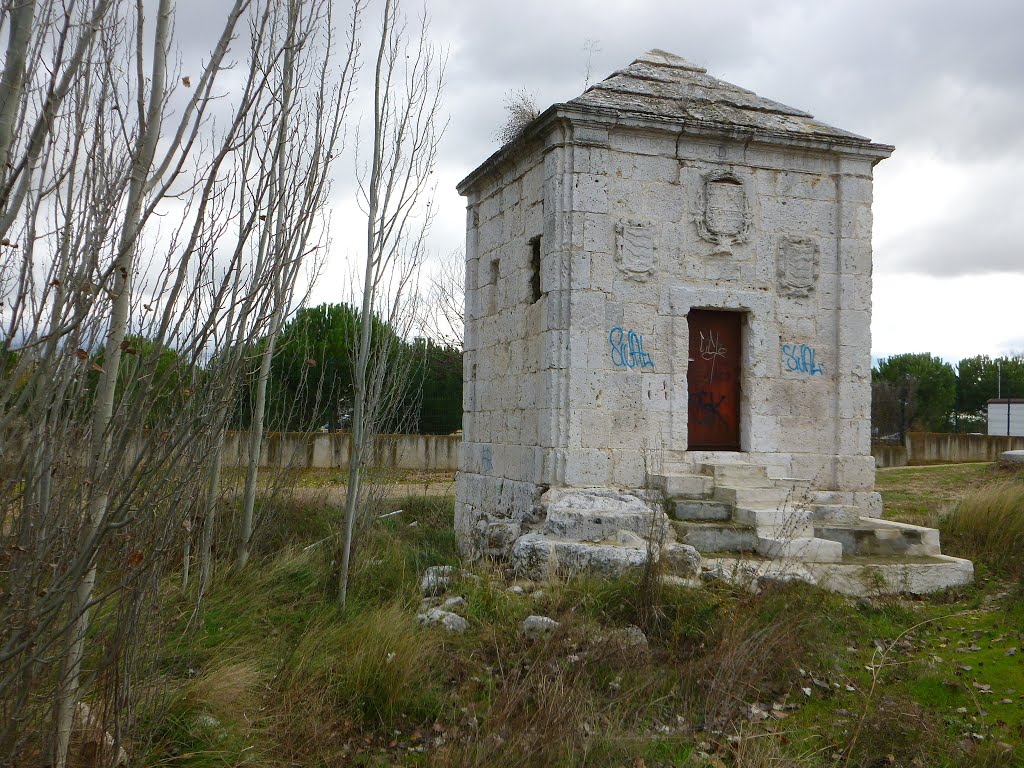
640	263
501	458
585	385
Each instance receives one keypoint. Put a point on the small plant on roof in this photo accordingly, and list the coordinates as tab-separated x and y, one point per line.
521	109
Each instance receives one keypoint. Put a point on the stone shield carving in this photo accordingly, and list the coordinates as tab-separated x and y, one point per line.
636	249
797	269
723	215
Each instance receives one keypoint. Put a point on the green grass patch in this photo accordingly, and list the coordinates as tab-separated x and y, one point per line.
268	673
921	495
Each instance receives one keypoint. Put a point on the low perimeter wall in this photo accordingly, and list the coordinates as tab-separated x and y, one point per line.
943	448
331	449
441	452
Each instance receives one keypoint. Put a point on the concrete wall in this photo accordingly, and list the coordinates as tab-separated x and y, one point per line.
944	448
327	450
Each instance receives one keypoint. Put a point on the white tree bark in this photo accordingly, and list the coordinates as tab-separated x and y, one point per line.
407	86
298	194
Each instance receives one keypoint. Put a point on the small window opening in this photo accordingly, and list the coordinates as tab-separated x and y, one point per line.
492	303
535	270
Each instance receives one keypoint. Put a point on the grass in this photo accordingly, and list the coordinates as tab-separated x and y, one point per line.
921	495
988	525
269	674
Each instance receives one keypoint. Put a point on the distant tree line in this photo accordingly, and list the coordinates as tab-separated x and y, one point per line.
310	385
920	392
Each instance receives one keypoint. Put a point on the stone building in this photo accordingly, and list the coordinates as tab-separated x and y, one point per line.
668	296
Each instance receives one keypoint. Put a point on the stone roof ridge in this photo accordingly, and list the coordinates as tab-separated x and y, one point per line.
661	58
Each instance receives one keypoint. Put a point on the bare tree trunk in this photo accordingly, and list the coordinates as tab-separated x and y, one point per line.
67	689
210	518
256	443
298	192
406	102
22	15
105	445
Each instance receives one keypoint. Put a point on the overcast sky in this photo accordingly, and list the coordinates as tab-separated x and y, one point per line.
942	81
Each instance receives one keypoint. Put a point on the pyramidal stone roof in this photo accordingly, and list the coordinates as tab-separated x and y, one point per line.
662	85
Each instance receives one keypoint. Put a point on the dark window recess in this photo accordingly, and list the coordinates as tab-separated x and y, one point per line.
492	302
535	270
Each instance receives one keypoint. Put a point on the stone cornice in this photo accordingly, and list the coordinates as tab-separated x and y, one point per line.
594	116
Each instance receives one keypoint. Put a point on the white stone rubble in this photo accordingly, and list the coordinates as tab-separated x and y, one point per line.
448	620
535	627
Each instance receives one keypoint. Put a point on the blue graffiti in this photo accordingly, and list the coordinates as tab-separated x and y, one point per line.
628	349
800	358
485	458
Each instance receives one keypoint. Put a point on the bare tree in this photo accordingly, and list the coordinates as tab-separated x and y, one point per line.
305	142
444	306
135	269
406	131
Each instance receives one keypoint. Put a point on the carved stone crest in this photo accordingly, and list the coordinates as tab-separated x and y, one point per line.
723	214
797	265
636	249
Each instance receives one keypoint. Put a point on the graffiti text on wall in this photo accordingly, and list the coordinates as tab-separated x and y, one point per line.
800	358
485	458
628	349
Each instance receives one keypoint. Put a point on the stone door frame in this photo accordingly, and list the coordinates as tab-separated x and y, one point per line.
755	362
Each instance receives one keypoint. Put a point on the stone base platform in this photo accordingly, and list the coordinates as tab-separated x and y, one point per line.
737	524
855	576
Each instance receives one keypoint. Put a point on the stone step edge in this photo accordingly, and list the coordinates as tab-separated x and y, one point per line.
881	576
802	549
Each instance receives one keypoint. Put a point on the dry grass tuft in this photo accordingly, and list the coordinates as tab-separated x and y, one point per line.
539	713
376	670
988	525
750	661
229	692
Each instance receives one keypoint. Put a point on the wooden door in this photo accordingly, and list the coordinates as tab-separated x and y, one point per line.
713	380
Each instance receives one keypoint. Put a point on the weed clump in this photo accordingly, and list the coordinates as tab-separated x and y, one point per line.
988	525
373	668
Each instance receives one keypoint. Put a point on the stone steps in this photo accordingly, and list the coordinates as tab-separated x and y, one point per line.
806	549
738	513
777	522
873	537
700	510
855	576
750	497
684	486
716	536
739	474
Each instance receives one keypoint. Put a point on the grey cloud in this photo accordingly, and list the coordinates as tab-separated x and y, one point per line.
933	78
981	234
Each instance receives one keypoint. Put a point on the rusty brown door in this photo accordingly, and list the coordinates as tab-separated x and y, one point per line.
713	380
